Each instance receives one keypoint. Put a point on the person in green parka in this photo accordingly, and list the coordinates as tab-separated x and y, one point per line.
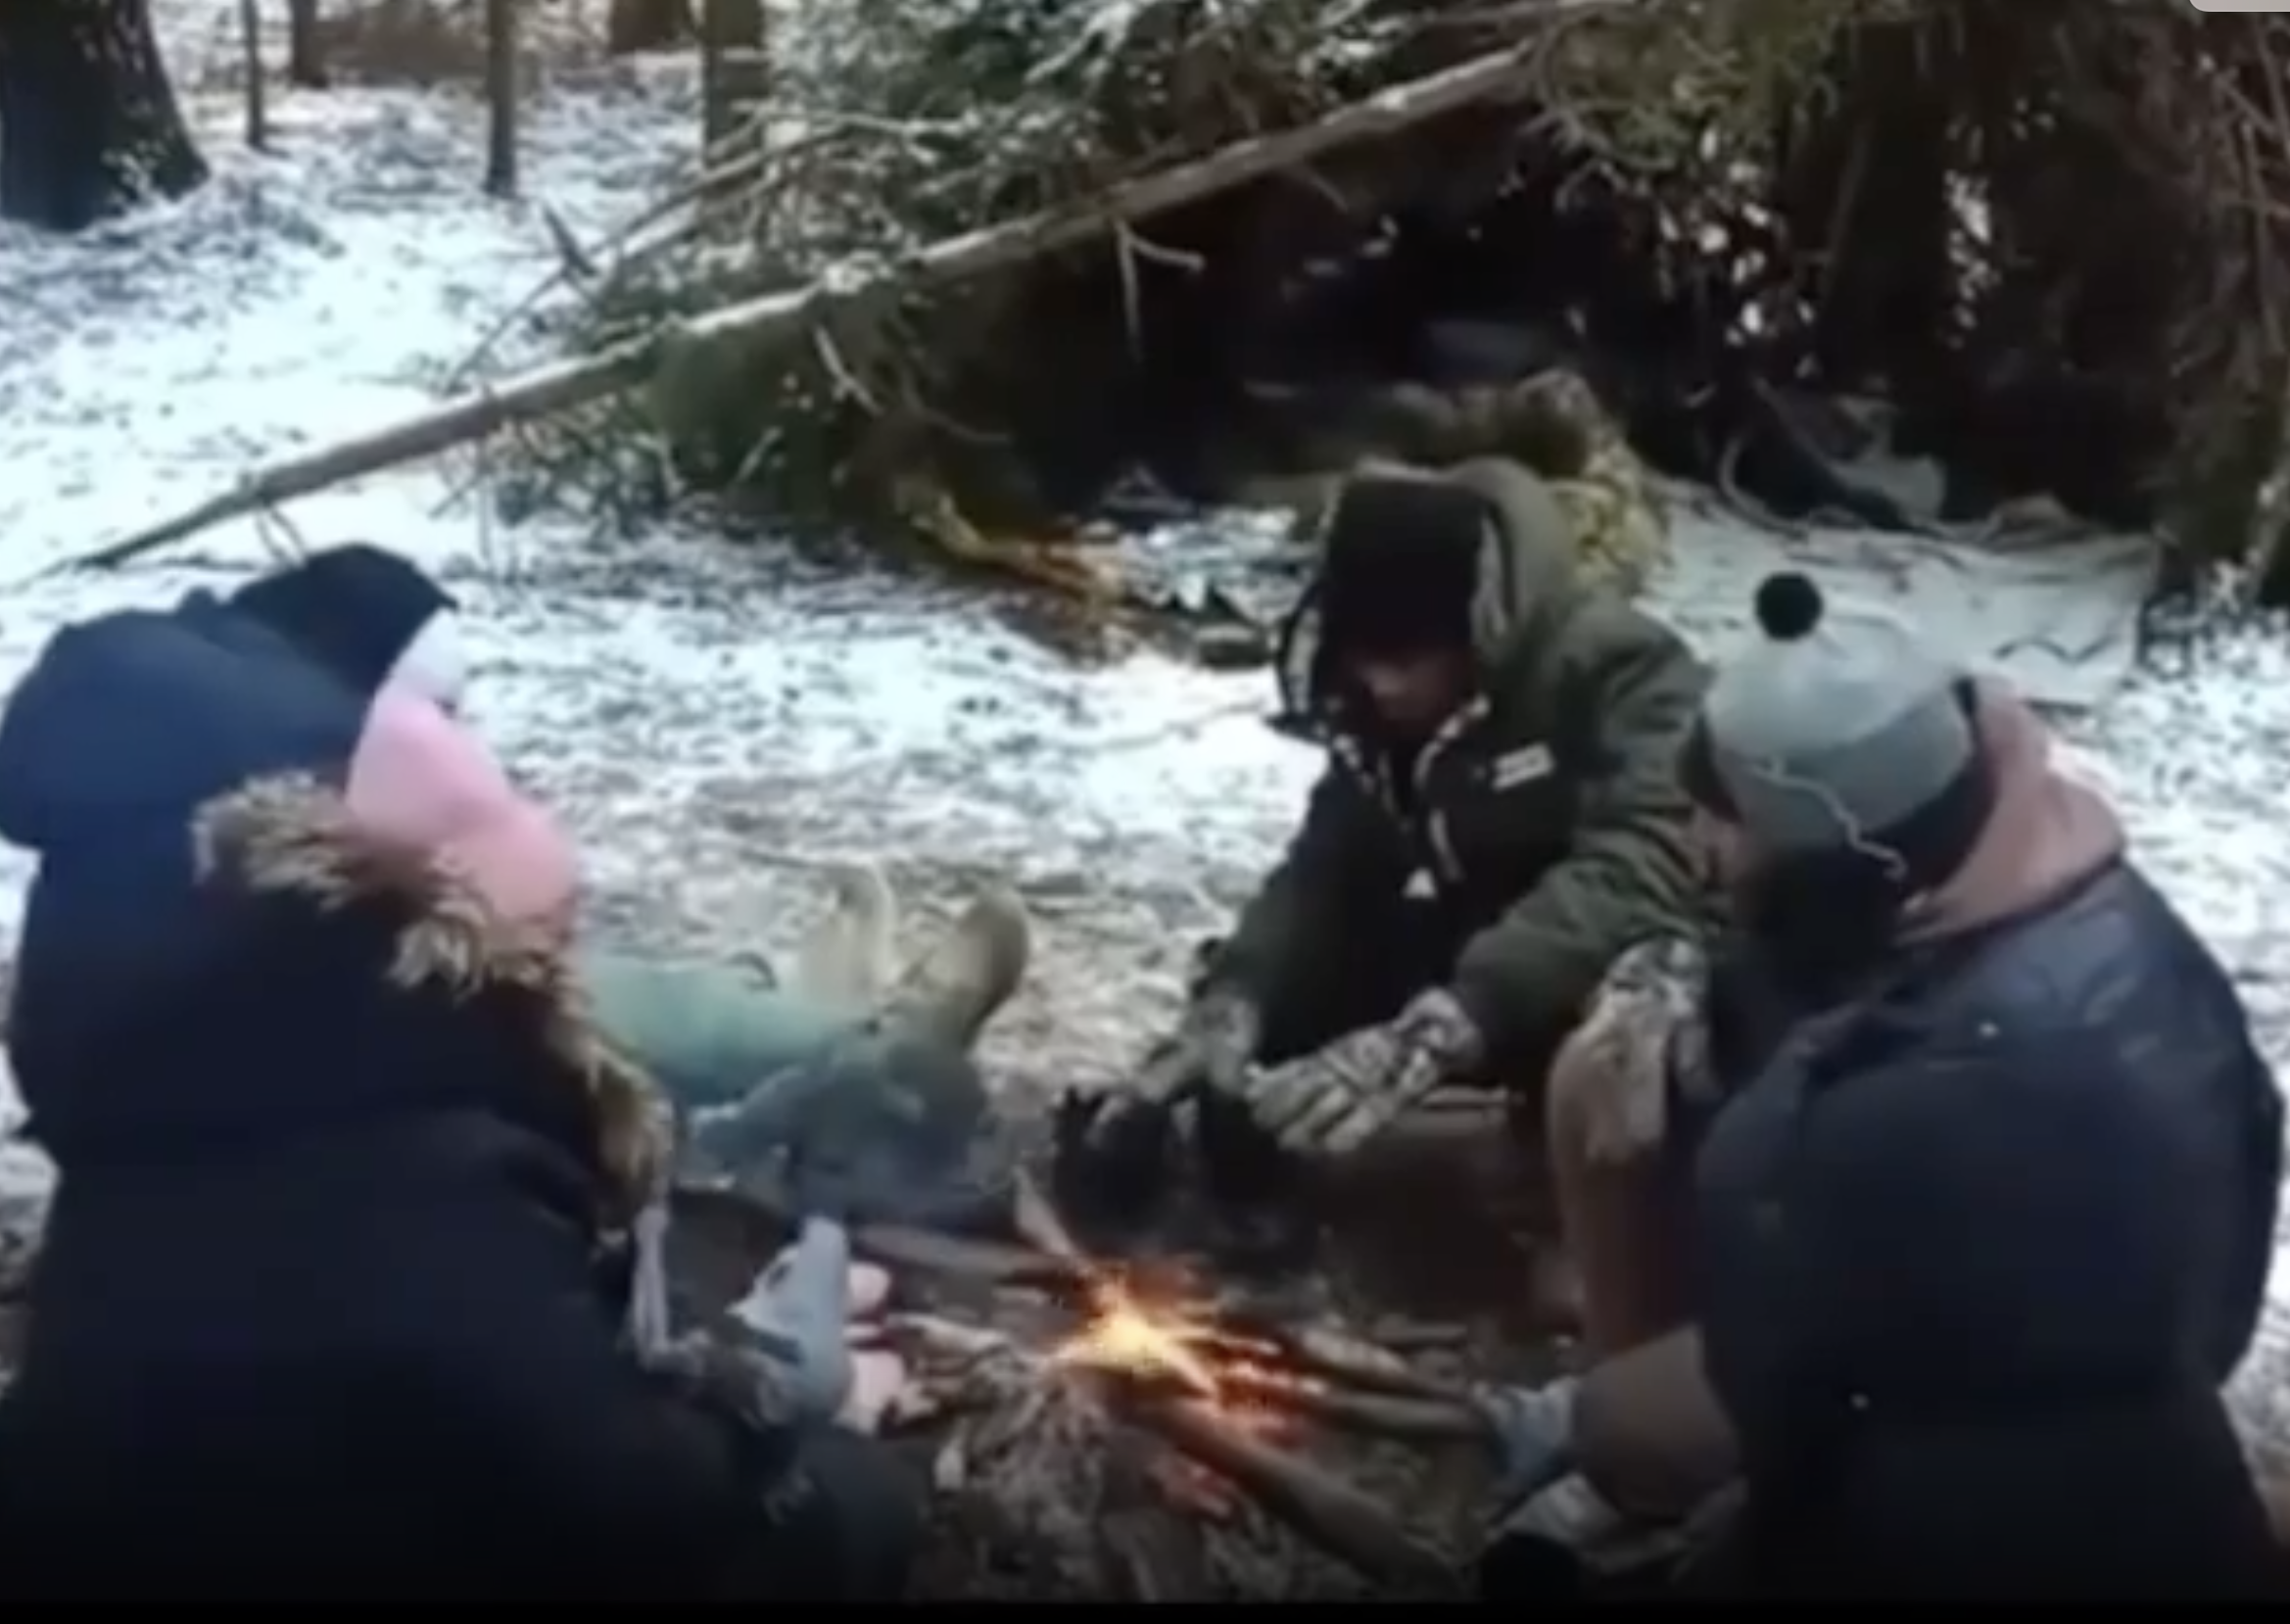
741	1057
1500	817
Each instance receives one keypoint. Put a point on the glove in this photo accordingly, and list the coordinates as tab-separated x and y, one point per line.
1534	1439
798	1311
1644	1033
1212	1046
1336	1099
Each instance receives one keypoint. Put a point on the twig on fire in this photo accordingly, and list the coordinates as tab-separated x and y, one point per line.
1350	1360
1366	1414
1376	1414
1179	1393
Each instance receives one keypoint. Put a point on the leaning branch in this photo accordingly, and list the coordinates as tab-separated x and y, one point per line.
546	391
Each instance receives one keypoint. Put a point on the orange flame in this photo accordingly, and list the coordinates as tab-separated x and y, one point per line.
1129	1335
1126	1338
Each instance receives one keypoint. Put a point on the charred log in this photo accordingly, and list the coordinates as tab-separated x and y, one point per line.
90	122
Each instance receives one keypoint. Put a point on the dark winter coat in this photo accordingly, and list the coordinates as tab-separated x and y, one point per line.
317	1312
1978	1251
1546	816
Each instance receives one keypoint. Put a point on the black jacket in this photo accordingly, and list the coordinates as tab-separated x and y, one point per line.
317	1312
1978	1253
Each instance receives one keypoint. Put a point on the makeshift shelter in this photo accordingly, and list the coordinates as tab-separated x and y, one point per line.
979	263
2041	230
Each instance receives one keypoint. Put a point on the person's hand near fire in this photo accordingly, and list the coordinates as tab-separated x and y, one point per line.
1642	1041
1333	1101
1639	1035
1212	1047
816	1318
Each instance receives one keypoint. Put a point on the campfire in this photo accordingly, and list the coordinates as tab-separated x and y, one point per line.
1177	1348
1161	1389
1101	1430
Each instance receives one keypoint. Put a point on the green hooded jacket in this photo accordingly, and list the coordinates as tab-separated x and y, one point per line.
1546	818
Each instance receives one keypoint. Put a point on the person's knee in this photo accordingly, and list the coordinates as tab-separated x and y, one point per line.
1649	1434
1569	1087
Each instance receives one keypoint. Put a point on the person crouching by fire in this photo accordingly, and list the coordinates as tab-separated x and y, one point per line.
1983	1168
1499	818
319	1311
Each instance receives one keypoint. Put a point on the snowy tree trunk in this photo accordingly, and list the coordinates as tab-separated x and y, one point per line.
89	126
647	25
305	62
501	98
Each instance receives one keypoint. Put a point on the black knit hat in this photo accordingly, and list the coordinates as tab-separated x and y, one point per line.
354	610
1400	566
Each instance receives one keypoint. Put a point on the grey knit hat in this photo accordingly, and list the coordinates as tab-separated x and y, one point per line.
1838	724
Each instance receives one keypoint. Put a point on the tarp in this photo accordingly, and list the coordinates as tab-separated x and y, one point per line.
2055	614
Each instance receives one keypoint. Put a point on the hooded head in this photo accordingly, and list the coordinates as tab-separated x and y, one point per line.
245	876
1841	758
371	617
1429	583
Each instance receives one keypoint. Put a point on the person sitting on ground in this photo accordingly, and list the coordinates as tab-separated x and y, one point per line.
319	1309
1985	1168
721	1038
1499	818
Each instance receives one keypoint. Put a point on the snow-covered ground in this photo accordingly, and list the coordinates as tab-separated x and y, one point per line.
710	720
705	717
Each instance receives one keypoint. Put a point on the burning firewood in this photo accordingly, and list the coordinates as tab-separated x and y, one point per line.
1061	1444
1132	1440
1356	1362
1317	1504
1221	1399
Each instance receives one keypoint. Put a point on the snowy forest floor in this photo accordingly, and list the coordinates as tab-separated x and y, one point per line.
709	719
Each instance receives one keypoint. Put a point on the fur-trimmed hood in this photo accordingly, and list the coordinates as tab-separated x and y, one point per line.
352	979
233	938
292	840
1527	587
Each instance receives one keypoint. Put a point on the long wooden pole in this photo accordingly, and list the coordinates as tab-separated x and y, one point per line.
559	387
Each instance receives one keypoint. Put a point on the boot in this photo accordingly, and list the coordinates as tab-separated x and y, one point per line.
949	993
848	958
891	1122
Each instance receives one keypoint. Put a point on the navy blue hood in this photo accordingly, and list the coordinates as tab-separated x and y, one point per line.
123	729
354	610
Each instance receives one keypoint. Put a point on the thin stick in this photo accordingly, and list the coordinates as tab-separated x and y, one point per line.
1382	1416
1346	1359
547	390
1321	1508
764	1228
992	1261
